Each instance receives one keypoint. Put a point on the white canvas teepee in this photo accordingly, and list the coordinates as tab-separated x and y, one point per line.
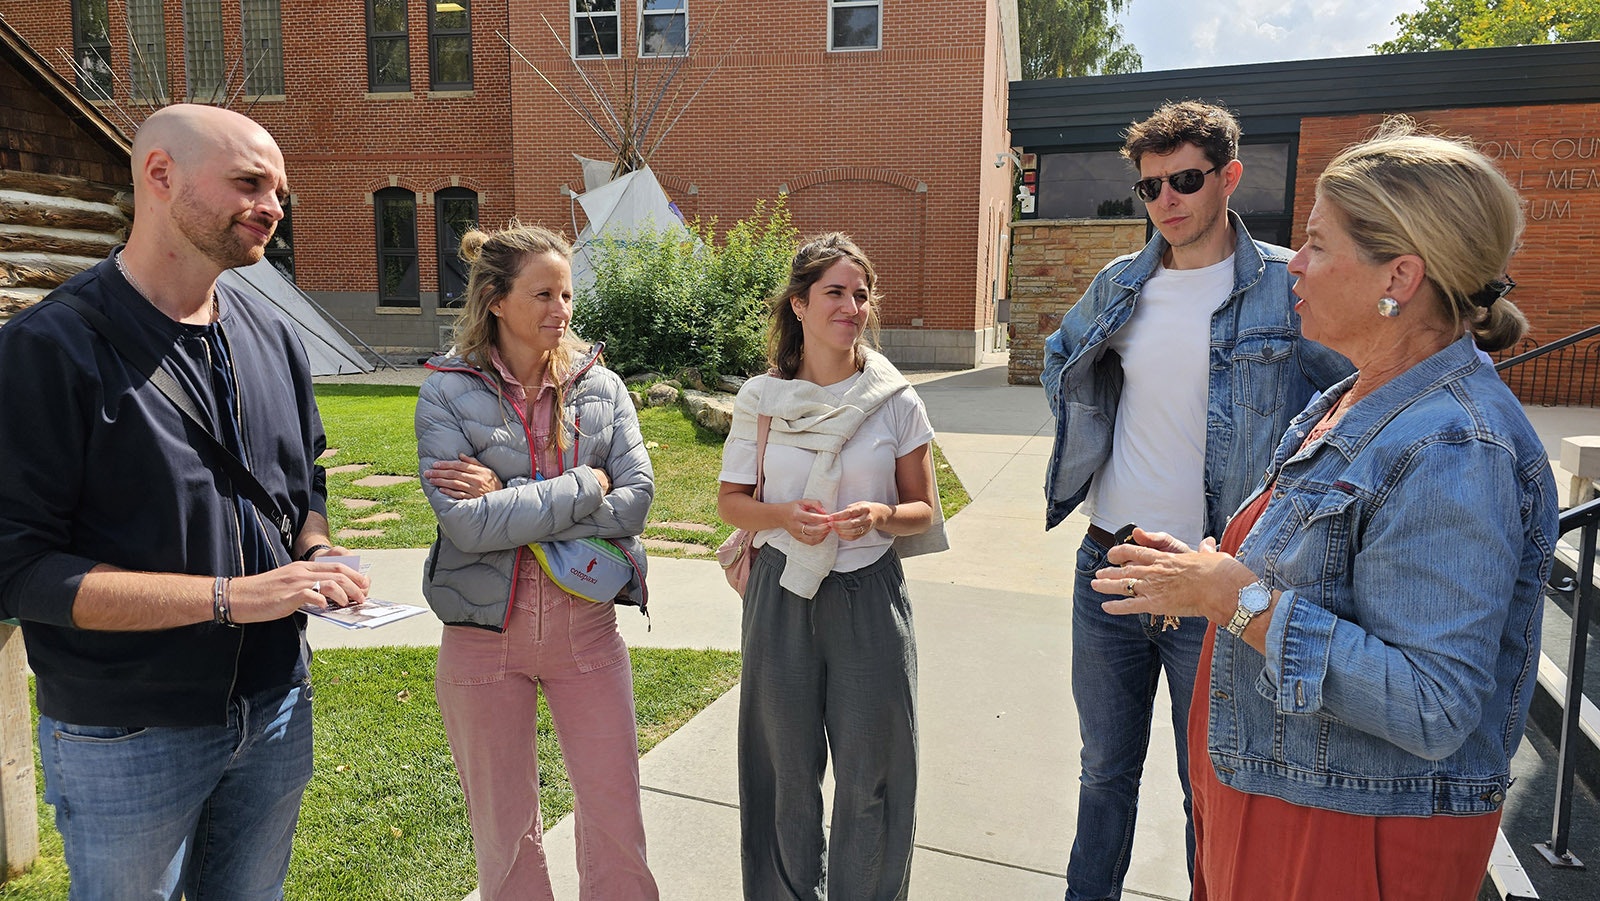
631	203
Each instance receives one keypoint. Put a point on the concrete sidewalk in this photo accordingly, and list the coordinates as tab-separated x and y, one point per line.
999	737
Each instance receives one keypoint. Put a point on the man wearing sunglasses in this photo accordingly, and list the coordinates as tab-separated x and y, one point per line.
1172	381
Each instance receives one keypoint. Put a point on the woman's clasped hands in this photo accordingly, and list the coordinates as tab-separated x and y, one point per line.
809	522
1160	575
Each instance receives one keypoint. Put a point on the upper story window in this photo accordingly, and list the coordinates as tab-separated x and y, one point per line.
663	27
388	46
595	28
280	250
855	24
202	50
456	212
91	48
450	45
147	51
396	211
263	47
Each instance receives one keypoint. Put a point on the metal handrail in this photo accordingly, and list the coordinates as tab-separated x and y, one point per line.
1584	519
1552	347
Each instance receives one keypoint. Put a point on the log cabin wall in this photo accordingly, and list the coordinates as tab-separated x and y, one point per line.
65	195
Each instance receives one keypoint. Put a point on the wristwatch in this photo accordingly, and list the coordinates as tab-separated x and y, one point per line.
1253	601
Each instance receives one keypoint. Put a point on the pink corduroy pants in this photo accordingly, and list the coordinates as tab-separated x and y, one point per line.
488	687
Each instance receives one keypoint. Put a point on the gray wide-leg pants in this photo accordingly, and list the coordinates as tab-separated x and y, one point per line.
839	671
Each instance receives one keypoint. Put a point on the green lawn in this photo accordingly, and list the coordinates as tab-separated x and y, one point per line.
383	818
372	424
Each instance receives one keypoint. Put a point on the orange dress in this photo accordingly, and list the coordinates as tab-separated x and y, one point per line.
1260	848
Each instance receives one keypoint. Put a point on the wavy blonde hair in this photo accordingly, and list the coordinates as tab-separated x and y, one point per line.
496	259
1404	191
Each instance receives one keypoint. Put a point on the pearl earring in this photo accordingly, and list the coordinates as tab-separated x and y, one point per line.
1388	307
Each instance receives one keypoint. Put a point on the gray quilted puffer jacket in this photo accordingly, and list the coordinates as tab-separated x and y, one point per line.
473	563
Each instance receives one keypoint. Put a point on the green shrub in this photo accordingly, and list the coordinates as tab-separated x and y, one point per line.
665	301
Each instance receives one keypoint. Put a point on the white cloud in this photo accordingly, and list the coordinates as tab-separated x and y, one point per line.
1180	34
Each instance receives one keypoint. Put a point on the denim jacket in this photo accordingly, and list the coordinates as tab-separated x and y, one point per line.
1261	374
1412	544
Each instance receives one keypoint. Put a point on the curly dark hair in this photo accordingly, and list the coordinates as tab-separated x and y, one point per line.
1211	128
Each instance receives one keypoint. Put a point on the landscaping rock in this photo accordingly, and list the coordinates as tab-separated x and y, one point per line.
730	383
383	481
638	400
714	411
661	395
682	547
685	526
642	378
691	377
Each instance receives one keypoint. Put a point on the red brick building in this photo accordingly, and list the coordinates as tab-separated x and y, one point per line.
402	120
1535	110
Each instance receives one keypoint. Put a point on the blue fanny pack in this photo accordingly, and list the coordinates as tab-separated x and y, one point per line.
590	568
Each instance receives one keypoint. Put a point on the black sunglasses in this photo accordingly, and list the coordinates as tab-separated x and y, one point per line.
1186	182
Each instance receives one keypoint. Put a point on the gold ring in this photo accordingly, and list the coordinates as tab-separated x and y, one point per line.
1128	586
317	586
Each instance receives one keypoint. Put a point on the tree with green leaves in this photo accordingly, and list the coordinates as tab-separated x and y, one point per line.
1074	37
1463	24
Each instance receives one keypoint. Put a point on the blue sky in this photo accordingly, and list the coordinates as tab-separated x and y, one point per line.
1179	34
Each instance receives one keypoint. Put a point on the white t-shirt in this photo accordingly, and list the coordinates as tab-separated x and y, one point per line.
1155	476
899	426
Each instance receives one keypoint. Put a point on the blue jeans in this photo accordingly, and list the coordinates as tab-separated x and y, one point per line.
1116	662
199	812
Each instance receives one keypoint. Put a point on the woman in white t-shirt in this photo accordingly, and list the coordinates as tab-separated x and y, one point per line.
829	656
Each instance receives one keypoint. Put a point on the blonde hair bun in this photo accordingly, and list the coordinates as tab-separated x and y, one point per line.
472	244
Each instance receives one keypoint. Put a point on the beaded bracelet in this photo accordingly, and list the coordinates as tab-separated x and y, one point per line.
221	603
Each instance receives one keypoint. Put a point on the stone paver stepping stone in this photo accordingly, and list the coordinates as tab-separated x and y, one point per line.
348	467
692	550
686	526
383	481
357	503
327	453
359	533
386	516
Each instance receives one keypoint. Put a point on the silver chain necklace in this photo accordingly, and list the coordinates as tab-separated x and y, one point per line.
216	311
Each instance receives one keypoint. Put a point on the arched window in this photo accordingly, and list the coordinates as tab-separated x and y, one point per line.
455	211
396	212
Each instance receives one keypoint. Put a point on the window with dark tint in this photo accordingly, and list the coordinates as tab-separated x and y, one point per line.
855	24
1265	198
91	48
263	47
388	46
1092	184
450	45
147	50
1097	184
594	28
396	210
457	211
202	50
663	27
280	250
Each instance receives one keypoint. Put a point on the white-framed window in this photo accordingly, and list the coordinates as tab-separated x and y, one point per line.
595	29
663	27
855	24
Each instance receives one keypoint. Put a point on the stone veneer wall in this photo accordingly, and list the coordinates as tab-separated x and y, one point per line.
1052	263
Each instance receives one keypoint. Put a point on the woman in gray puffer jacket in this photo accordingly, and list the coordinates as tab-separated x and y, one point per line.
522	438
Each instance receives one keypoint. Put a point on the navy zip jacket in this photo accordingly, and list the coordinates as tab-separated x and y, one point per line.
99	467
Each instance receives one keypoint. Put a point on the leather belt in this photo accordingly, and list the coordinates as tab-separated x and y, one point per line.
1101	536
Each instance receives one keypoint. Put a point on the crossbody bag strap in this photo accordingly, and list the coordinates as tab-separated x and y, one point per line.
150	367
763	426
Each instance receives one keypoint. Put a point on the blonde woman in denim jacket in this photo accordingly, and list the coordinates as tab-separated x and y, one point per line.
1375	606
